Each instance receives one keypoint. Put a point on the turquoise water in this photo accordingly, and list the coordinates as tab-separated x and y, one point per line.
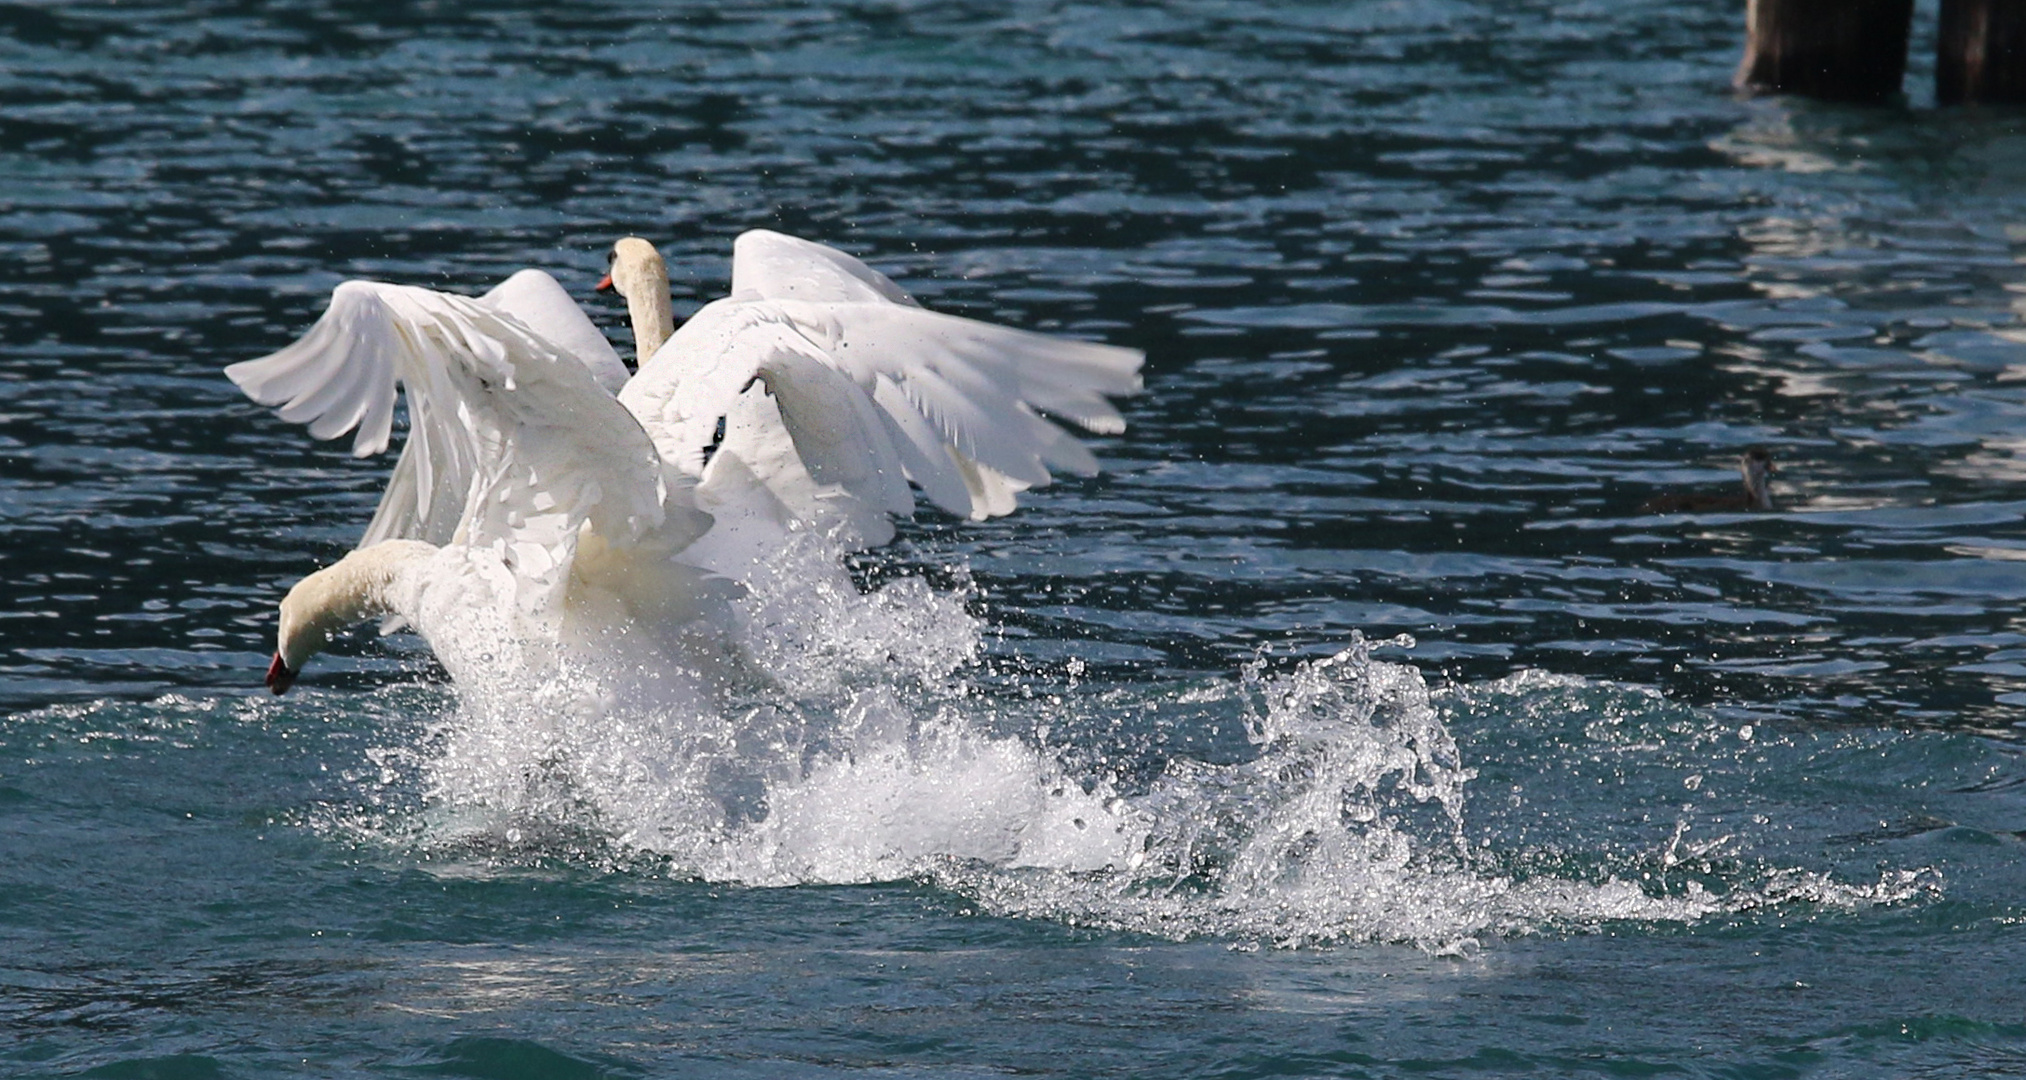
1355	722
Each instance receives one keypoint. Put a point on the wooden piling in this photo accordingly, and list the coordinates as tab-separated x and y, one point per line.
1980	54
1841	50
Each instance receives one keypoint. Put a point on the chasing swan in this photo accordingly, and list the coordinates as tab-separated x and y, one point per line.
540	481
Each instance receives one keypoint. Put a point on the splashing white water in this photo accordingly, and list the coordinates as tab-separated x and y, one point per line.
849	750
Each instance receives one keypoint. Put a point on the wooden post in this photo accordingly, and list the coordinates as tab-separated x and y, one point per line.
1843	50
1980	54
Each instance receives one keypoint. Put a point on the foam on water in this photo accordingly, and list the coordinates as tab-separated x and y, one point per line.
850	747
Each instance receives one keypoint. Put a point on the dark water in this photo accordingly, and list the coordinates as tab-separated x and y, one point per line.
1434	295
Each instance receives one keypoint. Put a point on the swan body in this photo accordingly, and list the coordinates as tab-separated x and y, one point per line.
539	477
1756	468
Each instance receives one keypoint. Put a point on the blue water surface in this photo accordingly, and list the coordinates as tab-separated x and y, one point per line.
1434	294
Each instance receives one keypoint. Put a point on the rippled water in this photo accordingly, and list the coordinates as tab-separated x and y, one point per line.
1434	296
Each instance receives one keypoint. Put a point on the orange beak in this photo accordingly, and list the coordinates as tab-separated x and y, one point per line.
604	284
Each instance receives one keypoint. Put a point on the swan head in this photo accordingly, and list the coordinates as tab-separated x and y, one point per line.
640	276
1757	467
311	616
323	604
634	269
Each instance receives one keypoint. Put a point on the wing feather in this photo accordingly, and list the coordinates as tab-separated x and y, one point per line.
953	405
774	266
505	426
836	431
542	305
923	452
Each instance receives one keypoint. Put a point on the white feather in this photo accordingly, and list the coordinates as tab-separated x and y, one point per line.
811	398
505	426
872	390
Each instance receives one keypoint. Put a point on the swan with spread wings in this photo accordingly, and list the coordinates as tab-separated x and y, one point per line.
540	480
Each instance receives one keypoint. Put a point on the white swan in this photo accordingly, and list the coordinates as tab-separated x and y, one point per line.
810	398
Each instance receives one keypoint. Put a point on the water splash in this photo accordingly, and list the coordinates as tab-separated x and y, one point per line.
852	749
1346	826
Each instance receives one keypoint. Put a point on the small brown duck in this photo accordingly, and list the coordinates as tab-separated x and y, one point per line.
1756	465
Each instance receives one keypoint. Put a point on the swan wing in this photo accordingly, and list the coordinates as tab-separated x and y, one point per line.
957	396
803	429
873	393
774	266
541	305
504	425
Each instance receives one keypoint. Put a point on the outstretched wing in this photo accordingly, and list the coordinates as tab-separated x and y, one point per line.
773	266
542	305
512	446
865	391
407	509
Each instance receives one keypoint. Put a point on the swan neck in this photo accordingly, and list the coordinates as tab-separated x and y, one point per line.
356	588
653	314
